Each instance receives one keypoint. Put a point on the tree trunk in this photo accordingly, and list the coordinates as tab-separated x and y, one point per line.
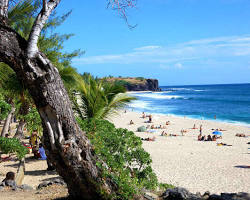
7	122
67	147
19	131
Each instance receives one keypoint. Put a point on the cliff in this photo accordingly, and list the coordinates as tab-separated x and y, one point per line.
137	84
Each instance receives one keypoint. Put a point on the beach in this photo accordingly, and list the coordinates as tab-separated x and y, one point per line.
184	161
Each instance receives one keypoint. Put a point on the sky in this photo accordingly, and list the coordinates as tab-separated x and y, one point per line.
178	42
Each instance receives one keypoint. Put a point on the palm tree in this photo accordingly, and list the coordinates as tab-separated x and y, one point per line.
99	100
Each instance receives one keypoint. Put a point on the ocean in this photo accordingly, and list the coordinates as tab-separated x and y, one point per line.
229	102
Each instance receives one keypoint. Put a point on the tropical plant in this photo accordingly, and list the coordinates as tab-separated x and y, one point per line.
4	109
12	145
99	100
21	18
126	162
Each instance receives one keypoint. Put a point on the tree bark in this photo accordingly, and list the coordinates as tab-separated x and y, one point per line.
67	146
7	122
19	131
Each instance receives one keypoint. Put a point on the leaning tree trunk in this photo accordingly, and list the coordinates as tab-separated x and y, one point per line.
66	145
7	122
24	110
19	132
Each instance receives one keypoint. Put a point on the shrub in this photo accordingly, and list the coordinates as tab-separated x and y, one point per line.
4	109
128	165
33	121
12	145
140	78
122	83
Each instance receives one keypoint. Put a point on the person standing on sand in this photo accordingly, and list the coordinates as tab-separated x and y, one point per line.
200	129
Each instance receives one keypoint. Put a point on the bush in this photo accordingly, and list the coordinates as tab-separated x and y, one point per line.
128	165
12	145
33	121
140	78
122	83
4	109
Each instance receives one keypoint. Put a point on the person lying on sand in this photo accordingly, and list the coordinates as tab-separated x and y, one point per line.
149	139
223	144
240	135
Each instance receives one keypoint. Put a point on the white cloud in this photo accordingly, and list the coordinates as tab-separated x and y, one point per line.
178	65
210	48
147	48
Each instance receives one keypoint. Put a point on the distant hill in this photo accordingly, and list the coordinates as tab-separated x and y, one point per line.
136	84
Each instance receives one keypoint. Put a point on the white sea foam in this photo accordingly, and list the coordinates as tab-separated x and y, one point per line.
199	90
158	96
141	105
185	89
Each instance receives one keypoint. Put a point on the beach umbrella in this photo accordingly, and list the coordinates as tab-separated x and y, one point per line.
217	133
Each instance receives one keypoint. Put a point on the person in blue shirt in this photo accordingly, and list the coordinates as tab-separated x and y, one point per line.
42	152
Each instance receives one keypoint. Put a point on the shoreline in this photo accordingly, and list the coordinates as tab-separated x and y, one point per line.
196	165
236	123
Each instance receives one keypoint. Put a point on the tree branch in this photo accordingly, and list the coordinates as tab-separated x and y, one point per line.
121	6
38	25
4	4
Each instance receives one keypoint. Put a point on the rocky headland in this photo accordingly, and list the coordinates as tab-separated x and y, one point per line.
136	84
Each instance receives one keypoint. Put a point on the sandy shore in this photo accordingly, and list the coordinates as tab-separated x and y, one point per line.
182	160
196	165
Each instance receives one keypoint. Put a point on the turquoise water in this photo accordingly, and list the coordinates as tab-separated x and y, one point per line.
230	102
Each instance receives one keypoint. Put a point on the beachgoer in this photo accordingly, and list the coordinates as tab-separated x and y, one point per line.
42	152
143	115
214	138
182	132
131	122
34	139
9	181
194	127
209	138
167	123
214	116
150	118
199	137
200	129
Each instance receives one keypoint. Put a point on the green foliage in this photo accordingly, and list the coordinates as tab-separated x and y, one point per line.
4	109
164	186
98	99
122	83
12	145
140	78
33	121
127	164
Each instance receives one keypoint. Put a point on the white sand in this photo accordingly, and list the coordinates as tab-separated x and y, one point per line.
196	165
35	171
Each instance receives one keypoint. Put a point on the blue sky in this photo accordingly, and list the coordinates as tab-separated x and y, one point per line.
179	42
